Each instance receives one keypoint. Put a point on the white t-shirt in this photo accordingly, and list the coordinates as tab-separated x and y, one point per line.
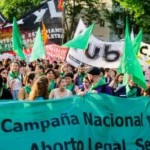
17	83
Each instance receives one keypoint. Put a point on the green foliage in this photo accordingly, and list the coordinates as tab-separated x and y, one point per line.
140	9
17	8
88	10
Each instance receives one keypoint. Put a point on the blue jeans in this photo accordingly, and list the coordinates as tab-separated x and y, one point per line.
15	94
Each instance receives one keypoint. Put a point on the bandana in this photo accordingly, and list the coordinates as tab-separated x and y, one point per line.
51	86
27	89
131	92
99	83
70	87
14	75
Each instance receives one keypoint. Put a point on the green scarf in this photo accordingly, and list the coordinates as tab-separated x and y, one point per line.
61	74
27	89
131	92
51	86
70	87
81	76
14	75
99	83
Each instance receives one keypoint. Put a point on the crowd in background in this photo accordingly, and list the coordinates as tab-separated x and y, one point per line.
41	80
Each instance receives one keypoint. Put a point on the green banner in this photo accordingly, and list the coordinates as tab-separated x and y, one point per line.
91	122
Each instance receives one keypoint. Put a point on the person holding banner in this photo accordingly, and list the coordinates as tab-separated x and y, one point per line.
129	90
99	84
87	83
39	89
117	81
61	91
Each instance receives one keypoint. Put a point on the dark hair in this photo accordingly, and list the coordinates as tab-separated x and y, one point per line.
51	70
22	63
41	67
16	62
30	65
87	78
106	69
70	74
30	76
82	65
114	71
2	69
102	70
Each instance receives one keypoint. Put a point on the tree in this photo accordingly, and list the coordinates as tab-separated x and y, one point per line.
17	8
140	10
88	10
116	18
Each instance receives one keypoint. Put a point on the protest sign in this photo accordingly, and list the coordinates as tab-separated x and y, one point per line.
90	122
55	52
103	54
28	24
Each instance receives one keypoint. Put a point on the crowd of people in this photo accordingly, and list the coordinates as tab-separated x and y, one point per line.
41	80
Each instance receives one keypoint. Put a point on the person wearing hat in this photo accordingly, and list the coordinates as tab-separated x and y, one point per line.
99	84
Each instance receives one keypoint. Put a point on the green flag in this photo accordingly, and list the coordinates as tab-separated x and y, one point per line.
17	40
137	42
81	41
129	62
38	50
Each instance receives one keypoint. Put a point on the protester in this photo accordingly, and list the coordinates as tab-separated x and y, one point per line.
51	75
64	70
15	79
107	75
25	91
4	75
129	90
113	74
70	83
7	63
61	91
86	86
39	89
39	70
117	81
99	84
80	75
5	94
